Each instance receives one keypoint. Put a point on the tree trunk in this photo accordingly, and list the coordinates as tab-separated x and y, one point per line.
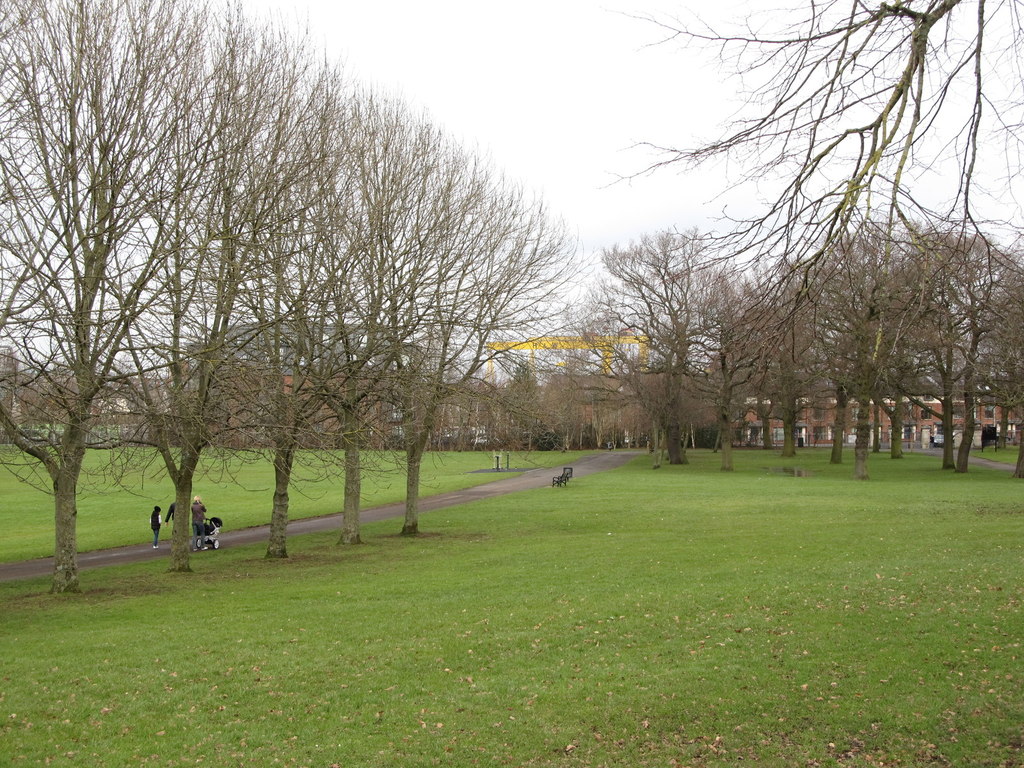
788	444
656	452
686	437
725	437
1018	471
181	534
789	412
277	545
674	441
863	443
353	490
947	430
896	429
963	456
839	425
413	461
766	433
181	529
65	553
876	430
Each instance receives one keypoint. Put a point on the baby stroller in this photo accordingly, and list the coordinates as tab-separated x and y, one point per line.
211	534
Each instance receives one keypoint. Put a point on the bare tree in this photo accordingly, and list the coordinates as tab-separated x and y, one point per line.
966	273
487	261
976	282
792	374
390	152
92	94
867	110
1003	353
866	313
728	347
233	169
441	255
655	286
298	353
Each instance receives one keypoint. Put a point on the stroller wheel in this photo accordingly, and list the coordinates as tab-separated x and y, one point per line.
216	543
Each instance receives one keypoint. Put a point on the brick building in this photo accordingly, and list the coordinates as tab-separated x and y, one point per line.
922	425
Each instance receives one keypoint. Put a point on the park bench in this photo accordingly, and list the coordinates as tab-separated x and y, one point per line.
562	479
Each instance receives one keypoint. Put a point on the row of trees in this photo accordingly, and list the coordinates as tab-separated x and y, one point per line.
934	313
884	142
210	232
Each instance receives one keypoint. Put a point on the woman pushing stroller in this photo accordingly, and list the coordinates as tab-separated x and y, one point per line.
198	523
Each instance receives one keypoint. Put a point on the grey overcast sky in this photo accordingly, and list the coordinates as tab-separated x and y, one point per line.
557	93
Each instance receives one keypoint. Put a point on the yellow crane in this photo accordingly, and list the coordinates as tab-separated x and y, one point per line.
604	344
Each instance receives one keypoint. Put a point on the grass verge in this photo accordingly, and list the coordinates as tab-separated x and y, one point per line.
115	502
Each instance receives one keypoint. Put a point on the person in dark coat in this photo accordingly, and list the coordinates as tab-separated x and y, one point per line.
154	523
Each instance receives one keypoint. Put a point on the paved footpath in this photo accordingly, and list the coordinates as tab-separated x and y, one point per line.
534	478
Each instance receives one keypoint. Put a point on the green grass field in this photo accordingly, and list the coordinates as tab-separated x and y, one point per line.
678	617
239	491
1004	456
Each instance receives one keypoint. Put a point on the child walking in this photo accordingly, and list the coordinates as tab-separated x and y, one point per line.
154	523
